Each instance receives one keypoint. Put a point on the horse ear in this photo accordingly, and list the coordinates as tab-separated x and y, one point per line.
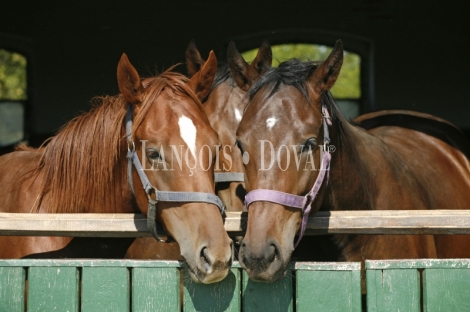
194	61
201	82
324	77
263	59
129	81
239	67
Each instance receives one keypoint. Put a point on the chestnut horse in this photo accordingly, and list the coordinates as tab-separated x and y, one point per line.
224	108
290	126
84	169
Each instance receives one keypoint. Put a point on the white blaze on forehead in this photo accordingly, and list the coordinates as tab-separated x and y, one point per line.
188	133
238	116
270	122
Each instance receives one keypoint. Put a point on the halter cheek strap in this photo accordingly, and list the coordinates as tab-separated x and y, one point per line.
133	160
301	202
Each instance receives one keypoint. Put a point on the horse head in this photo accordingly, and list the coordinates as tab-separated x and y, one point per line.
284	131
224	107
171	137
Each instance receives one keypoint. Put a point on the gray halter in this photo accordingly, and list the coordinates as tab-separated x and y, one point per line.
159	195
229	177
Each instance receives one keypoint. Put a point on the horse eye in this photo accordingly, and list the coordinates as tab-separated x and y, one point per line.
310	144
152	154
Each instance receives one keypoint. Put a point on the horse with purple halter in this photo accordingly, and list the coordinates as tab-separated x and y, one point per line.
290	129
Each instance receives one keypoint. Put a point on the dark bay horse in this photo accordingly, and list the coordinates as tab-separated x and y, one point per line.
304	155
84	168
224	107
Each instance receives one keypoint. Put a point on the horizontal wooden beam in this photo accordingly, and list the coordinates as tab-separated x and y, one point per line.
390	222
76	225
332	222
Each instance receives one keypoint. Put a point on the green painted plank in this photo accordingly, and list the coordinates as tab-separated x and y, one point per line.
328	290
417	264
272	297
221	296
393	290
328	266
373	278
89	263
155	289
12	288
53	289
105	289
446	290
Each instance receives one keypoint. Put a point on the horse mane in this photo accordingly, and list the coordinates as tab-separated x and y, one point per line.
22	147
291	72
83	165
222	74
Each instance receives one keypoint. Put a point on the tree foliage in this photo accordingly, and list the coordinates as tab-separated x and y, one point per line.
12	76
348	84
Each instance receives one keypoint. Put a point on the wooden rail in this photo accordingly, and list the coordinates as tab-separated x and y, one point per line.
134	225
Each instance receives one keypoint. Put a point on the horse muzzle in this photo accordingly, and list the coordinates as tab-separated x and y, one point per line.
265	264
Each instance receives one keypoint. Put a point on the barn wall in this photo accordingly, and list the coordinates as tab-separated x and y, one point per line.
421	48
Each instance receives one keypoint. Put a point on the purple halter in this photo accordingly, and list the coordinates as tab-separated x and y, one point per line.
295	201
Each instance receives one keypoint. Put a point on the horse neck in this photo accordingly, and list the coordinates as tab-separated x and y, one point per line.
351	183
120	198
88	192
369	174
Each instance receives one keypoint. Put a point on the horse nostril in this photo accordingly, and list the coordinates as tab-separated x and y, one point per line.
205	260
273	253
241	253
232	249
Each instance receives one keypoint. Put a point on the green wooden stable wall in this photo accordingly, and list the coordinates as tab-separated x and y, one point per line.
395	285
124	285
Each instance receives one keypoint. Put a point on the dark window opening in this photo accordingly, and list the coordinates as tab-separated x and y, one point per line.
12	97
15	91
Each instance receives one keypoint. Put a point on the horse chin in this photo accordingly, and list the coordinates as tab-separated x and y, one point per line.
207	265
201	276
207	250
268	276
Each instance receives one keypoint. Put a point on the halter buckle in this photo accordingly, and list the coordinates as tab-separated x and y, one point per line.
148	190
130	146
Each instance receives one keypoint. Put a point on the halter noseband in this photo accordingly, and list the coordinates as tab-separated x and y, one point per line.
229	177
165	196
301	202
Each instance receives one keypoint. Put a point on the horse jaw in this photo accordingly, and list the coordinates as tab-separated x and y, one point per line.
208	255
